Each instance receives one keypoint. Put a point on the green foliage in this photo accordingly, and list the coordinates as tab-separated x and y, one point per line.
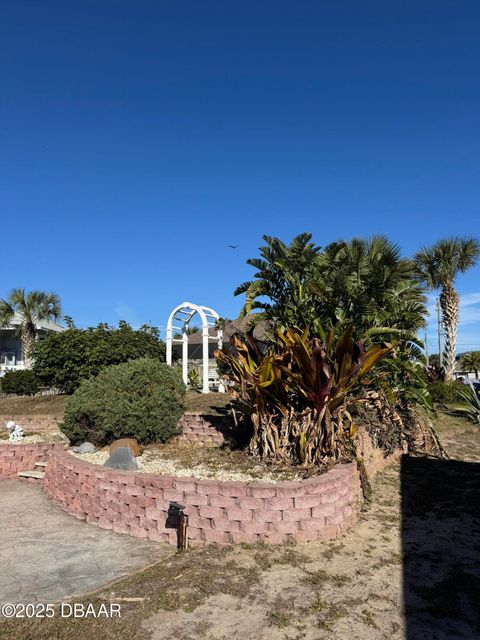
471	410
471	362
63	360
32	307
189	331
194	381
284	288
29	308
22	383
297	391
439	265
364	283
141	399
369	284
403	379
446	392
434	361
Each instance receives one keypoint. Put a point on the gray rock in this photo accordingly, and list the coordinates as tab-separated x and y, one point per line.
122	458
86	447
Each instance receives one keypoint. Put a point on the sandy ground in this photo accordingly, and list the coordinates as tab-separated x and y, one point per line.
409	568
351	588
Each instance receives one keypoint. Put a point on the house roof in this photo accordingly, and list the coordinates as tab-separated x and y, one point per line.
45	325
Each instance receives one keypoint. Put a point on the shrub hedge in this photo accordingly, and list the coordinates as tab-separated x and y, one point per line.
22	383
141	399
63	360
446	392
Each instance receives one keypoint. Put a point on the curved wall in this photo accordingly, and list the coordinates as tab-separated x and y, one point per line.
22	457
318	508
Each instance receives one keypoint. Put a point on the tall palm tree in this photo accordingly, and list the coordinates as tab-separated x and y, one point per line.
438	266
471	362
29	308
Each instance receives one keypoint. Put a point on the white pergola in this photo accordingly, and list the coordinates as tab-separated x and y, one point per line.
179	321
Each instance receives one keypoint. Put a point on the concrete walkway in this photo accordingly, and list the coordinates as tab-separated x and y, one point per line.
47	555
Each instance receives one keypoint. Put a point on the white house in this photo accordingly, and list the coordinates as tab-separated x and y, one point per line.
11	350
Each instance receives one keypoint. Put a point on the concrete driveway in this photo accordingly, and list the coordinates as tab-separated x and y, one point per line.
47	555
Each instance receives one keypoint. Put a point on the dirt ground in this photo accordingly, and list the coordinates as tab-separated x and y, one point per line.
211	403
35	405
409	568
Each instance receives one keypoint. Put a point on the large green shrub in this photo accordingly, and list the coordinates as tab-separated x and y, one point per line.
447	392
22	383
63	360
141	399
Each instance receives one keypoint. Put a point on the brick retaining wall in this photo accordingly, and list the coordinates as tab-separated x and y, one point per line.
196	427
22	457
32	423
318	508
373	457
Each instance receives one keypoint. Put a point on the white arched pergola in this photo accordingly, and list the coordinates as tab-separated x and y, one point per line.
182	316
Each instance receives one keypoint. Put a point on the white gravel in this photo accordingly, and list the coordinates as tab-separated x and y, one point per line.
150	462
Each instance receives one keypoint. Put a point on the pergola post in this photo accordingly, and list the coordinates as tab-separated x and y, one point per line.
185	357
169	346
205	335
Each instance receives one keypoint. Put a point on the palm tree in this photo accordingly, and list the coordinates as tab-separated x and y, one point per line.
361	282
471	362
367	283
438	266
29	308
284	282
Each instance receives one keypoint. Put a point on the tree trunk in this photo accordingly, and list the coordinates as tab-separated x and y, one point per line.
28	338
450	305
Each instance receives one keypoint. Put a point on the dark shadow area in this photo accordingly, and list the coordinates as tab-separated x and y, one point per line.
237	433
441	548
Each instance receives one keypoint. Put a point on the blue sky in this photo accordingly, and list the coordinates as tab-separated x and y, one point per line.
138	139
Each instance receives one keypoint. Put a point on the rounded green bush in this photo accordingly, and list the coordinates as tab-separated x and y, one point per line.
141	399
22	383
446	392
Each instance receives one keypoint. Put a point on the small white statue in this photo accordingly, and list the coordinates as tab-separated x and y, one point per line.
15	431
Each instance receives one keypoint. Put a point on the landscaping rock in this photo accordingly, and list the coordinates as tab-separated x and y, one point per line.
129	443
86	447
122	458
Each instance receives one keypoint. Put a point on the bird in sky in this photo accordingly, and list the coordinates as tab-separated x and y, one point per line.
233	246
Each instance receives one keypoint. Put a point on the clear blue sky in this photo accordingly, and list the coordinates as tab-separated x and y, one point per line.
138	139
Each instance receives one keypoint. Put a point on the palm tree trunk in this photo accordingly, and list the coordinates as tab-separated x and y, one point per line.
450	305
28	338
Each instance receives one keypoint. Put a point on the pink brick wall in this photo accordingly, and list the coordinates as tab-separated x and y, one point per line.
198	428
319	508
22	457
373	457
32	423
